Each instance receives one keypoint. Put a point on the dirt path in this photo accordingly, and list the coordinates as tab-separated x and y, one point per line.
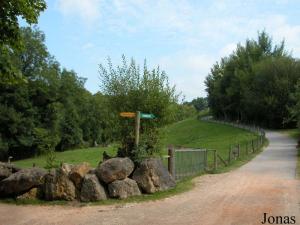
267	184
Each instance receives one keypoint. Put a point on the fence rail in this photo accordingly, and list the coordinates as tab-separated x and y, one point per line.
184	162
251	128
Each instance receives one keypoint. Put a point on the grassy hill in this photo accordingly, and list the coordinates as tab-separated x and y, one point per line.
202	134
188	133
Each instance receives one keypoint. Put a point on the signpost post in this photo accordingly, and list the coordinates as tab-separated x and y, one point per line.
138	116
137	128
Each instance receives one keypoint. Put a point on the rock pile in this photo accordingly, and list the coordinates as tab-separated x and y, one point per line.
113	178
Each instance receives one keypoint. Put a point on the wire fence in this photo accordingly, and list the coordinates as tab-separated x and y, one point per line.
185	162
251	128
189	162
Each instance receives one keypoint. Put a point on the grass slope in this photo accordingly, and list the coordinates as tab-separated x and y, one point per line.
202	134
188	133
91	155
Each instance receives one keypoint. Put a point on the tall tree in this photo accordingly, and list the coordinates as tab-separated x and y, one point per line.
253	83
52	109
10	38
10	10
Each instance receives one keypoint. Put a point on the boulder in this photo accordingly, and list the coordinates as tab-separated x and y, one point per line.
123	188
22	181
58	186
92	171
91	189
78	172
33	193
152	176
66	168
6	169
4	172
114	169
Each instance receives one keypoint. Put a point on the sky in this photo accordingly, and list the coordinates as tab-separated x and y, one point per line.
184	37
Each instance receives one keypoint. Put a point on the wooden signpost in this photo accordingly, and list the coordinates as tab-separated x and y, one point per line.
138	116
137	128
128	114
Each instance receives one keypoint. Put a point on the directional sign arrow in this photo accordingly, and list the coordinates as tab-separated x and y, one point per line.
128	114
147	116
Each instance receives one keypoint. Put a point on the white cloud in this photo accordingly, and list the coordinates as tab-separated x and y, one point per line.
279	28
87	10
188	71
201	35
87	46
163	16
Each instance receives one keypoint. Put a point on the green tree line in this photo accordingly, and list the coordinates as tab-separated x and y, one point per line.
256	84
47	107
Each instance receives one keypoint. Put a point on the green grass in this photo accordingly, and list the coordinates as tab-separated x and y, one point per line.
202	134
91	155
295	133
188	133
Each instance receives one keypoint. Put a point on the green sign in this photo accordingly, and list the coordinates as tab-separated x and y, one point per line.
147	116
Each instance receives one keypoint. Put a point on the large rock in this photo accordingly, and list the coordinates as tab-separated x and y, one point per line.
91	189
34	193
6	169
114	169
58	186
4	172
78	172
152	176
123	188
22	181
66	168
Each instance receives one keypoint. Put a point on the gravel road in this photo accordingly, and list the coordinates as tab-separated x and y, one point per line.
267	184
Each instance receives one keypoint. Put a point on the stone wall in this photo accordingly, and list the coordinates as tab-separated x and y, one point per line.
113	178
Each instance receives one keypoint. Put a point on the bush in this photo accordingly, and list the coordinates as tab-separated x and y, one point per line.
130	90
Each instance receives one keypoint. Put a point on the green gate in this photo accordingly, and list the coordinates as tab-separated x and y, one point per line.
189	162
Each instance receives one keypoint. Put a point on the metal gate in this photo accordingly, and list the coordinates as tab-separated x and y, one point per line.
188	162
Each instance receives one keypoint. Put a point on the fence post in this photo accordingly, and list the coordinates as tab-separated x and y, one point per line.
247	153
239	150
205	160
229	156
9	159
171	161
252	142
215	160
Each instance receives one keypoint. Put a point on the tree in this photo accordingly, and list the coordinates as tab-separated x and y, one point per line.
295	97
129	89
52	109
199	103
253	83
10	39
10	10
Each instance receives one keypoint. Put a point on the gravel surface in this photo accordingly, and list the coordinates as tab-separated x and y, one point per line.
267	184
